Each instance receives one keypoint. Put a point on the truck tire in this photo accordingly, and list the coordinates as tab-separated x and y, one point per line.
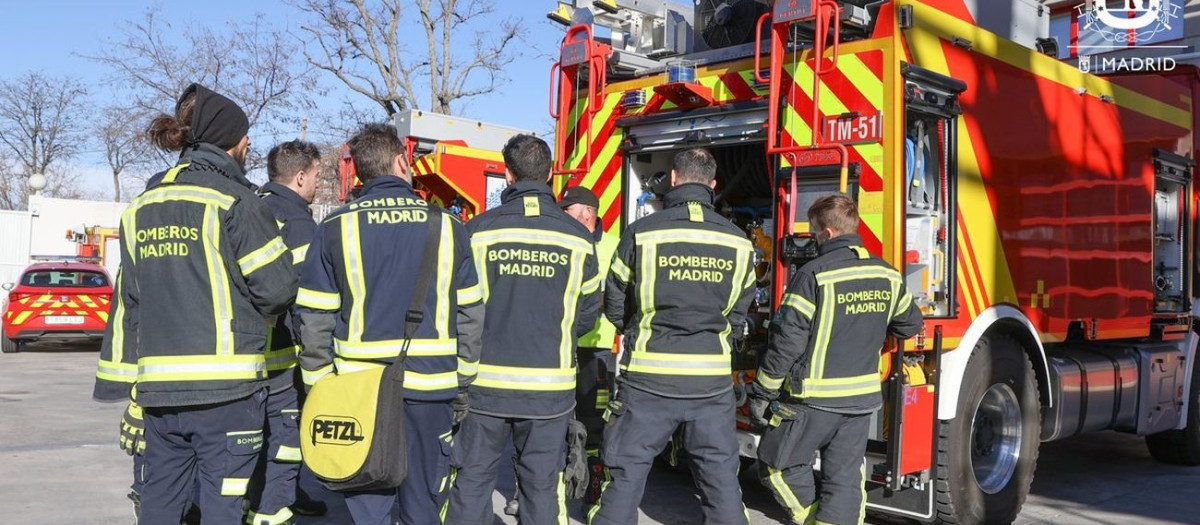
1181	446
9	346
988	453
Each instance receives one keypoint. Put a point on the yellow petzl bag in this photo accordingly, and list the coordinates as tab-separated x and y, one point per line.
352	430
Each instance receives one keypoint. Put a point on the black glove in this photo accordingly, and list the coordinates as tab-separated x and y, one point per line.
461	404
133	430
760	403
759	406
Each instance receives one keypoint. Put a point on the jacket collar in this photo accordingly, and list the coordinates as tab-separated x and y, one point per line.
520	189
689	192
839	242
387	182
285	192
218	161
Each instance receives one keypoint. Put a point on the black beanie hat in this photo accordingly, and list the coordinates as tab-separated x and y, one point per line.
216	120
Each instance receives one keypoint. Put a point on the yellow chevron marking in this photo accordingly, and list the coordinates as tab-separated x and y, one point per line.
862	78
21	317
102	315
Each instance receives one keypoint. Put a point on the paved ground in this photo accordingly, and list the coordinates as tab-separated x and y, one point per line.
59	464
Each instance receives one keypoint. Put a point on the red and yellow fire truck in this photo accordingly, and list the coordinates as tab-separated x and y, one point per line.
1043	216
455	161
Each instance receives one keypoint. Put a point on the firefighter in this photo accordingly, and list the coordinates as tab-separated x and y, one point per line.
596	347
678	289
356	287
202	266
293	169
537	267
824	353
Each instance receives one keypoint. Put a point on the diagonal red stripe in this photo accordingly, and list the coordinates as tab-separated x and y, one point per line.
737	86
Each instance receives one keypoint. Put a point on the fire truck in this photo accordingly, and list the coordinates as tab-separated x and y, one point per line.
455	161
1043	216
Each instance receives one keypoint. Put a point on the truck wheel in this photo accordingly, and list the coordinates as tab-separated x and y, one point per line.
987	454
9	346
1181	446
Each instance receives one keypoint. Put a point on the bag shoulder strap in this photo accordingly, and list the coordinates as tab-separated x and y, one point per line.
416	309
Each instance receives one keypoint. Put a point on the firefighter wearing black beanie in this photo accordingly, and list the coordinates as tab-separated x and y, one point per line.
202	266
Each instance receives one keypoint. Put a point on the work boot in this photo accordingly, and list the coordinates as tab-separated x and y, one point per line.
305	505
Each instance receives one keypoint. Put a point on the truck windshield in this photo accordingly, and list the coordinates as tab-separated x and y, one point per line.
64	278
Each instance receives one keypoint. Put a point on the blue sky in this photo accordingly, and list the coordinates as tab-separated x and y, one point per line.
52	35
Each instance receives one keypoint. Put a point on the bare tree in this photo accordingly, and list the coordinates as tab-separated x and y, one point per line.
122	137
257	66
360	42
39	126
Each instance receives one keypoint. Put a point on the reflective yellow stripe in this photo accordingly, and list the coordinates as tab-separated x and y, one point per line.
646	295
697	236
695	212
234	486
445	270
768	382
201	368
281	358
310	377
621	270
860	252
196	194
279	518
566	341
169	177
601	398
218	282
535	237
802	305
479	251
857	273
680	364
352	259
799	512
903	305
288	454
469	295
592	285
391	348
467	368
115	371
743	258
299	253
262	256
562	499
118	333
412	380
318	300
522	378
816	366
841	386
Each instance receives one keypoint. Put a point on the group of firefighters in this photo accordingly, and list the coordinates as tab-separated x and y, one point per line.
225	288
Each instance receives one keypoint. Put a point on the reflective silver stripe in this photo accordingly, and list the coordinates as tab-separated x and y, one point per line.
234	486
299	253
467	368
412	380
391	348
469	295
352	255
770	383
697	236
195	194
263	256
310	377
282	358
679	364
197	369
535	237
620	269
566	343
114	371
841	386
288	454
521	378
218	282
802	305
444	271
318	300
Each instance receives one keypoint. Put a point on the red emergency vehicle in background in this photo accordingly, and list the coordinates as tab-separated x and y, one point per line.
455	161
57	301
1043	216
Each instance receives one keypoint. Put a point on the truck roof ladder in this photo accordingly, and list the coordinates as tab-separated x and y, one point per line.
577	83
